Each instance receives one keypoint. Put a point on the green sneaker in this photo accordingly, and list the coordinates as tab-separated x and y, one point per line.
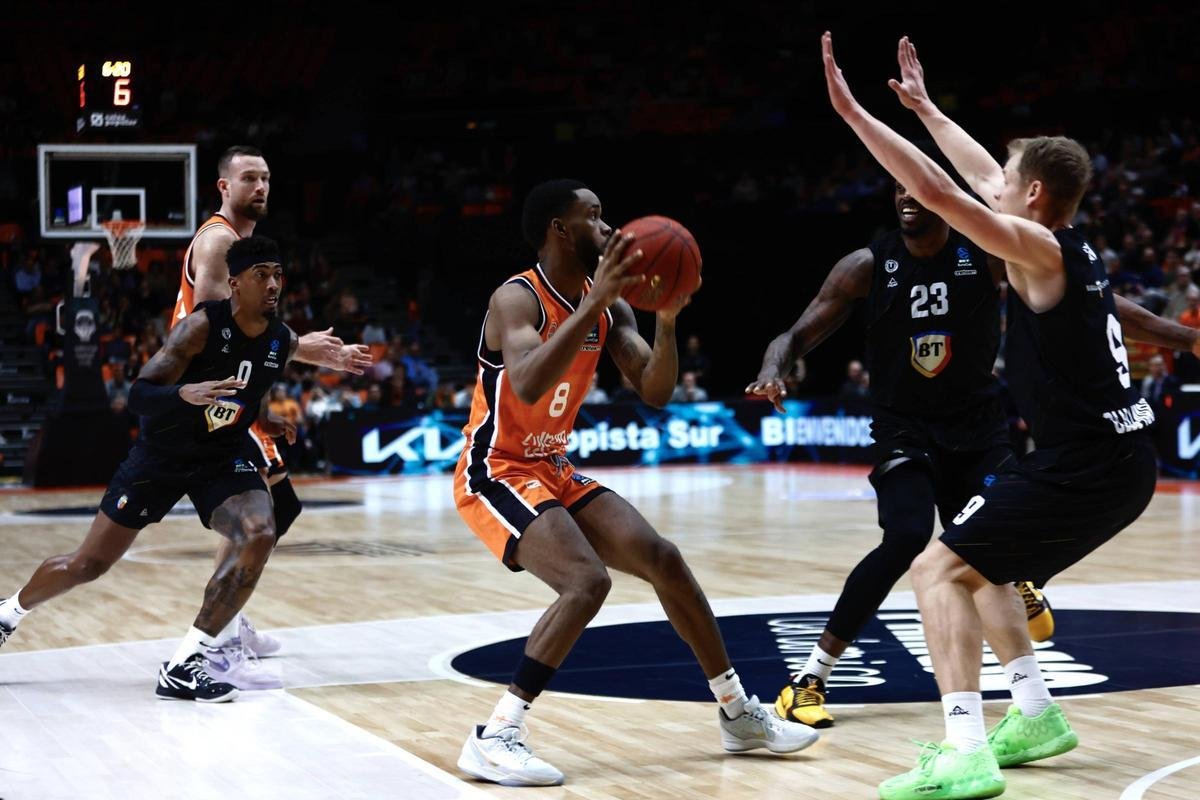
1018	739
943	773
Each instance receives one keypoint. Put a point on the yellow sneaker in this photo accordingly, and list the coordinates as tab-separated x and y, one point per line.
1037	611
803	701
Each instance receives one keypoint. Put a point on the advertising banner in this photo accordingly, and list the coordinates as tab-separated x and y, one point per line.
833	430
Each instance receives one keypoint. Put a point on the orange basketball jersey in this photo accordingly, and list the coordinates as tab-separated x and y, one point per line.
186	299
500	422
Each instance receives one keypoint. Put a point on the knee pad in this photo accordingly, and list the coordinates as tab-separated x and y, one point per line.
287	506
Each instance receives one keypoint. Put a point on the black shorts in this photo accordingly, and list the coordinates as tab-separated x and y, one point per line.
961	459
1054	507
148	484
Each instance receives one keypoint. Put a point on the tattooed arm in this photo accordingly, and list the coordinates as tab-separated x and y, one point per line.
849	281
155	389
653	371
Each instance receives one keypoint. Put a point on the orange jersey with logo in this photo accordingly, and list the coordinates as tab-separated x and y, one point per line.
185	301
500	422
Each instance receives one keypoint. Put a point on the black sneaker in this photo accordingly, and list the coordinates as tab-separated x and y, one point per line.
191	681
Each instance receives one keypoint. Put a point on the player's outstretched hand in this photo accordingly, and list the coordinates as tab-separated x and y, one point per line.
911	86
669	313
839	91
354	358
276	426
322	347
618	256
209	392
770	388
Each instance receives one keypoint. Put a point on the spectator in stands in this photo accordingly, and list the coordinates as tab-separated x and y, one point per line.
857	380
462	395
374	399
347	318
374	333
1149	269
688	391
694	359
1191	317
398	394
117	385
1177	301
443	398
420	375
595	394
626	393
1158	384
28	275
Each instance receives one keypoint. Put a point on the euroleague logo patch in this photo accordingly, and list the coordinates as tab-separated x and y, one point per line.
888	664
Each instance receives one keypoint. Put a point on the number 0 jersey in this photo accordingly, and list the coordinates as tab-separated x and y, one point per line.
218	430
500	422
1067	366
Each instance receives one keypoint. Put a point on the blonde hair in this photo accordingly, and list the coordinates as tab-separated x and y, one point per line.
1061	164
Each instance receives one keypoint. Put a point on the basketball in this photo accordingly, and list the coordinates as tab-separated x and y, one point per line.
670	261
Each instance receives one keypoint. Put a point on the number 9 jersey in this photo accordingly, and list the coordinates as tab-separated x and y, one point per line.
514	463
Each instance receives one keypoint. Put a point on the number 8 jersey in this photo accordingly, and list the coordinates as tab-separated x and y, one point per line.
500	422
1067	367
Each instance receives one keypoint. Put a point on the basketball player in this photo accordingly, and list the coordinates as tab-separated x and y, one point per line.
244	181
197	398
940	426
539	346
1095	468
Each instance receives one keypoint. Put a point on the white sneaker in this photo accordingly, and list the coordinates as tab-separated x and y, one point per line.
505	759
235	665
759	727
258	643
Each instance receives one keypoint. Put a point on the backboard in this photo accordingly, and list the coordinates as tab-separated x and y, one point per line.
83	185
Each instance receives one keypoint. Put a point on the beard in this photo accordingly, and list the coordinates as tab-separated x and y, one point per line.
254	211
589	255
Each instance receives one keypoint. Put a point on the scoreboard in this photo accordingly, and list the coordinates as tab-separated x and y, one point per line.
107	97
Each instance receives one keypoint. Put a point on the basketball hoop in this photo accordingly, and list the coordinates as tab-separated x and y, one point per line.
123	237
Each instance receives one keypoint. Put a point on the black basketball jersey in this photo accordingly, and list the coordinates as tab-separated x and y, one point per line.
933	328
219	430
1067	367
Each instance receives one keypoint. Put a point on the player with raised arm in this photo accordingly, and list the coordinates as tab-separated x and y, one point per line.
939	423
1095	468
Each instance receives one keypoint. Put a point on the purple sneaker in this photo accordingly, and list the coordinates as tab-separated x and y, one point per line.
259	644
235	665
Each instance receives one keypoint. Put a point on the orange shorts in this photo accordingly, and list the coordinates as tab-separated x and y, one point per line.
270	452
499	496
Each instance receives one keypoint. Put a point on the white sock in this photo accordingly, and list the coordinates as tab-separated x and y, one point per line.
11	611
1028	687
195	641
509	712
229	632
963	712
819	663
727	688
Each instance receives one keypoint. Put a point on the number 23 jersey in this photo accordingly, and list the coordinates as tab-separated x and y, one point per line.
500	422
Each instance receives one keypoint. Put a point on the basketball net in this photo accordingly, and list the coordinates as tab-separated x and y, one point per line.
123	237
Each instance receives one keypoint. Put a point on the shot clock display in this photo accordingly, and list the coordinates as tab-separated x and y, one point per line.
107	96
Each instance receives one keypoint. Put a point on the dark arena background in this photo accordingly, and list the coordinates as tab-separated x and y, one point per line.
402	141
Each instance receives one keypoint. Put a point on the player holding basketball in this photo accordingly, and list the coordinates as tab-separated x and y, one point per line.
539	346
244	181
939	423
197	398
1095	468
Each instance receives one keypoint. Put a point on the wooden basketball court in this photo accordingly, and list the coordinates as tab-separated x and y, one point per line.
376	592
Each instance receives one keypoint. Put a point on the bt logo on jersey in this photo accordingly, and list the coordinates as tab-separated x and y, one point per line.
222	414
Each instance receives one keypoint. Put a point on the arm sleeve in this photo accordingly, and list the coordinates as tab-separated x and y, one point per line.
149	399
